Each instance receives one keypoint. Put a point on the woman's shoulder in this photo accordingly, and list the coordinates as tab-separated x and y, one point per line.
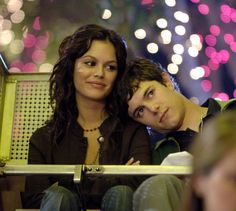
42	134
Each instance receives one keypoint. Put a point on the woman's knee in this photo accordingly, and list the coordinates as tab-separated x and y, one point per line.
60	198
120	191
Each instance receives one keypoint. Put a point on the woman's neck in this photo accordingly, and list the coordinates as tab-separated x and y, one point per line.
91	114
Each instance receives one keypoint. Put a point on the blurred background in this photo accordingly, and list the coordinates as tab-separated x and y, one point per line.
195	40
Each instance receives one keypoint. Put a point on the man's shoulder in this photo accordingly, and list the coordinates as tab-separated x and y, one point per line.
227	105
215	106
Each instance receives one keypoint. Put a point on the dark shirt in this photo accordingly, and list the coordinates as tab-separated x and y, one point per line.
121	142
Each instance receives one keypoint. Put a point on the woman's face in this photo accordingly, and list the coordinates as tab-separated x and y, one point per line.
218	188
95	72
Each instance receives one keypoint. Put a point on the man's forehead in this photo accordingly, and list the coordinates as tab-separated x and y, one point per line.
137	97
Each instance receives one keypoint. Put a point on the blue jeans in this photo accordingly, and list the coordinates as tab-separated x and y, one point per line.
118	198
58	198
159	193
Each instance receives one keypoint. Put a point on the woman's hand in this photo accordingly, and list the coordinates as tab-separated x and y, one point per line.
131	161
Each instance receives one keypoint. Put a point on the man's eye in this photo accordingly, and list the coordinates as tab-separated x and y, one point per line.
150	93
90	63
140	112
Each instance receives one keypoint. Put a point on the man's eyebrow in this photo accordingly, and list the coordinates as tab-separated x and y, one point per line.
134	113
146	91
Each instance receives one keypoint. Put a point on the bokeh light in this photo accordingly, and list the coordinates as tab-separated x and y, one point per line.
196	40
140	33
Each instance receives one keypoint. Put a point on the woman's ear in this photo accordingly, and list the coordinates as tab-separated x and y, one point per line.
167	81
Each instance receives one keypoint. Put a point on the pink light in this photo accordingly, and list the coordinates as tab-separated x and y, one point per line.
228	38
224	54
206	85
234	93
42	41
233	17
36	24
213	64
210	40
215	30
209	51
225	9
145	2
29	40
29	67
200	37
233	46
225	18
195	1
18	64
38	56
206	70
221	95
203	9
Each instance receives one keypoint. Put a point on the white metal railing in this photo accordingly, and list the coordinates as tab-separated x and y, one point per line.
80	170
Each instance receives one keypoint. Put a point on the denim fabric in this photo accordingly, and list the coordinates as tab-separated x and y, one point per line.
159	193
118	198
58	198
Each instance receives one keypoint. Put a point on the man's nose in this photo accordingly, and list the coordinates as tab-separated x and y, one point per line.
153	107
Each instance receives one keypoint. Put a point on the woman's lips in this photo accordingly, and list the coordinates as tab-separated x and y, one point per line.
97	84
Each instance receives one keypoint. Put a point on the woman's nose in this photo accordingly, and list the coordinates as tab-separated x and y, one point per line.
99	71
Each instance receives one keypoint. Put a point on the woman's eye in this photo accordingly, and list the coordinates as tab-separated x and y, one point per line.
111	67
90	63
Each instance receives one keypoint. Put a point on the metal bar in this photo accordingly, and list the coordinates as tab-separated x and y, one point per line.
38	169
95	170
136	170
77	174
7	120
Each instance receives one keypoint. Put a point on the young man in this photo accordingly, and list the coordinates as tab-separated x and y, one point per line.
153	99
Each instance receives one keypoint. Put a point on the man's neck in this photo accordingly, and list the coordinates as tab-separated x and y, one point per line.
193	116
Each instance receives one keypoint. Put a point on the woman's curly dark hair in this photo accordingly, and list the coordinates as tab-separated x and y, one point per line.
62	89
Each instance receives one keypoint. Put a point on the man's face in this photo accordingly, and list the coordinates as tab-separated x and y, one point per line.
158	106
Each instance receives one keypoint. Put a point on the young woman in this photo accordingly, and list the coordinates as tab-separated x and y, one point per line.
86	127
213	184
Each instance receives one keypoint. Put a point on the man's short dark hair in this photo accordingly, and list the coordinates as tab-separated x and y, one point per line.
138	70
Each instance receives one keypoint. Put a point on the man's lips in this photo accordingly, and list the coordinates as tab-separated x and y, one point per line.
163	115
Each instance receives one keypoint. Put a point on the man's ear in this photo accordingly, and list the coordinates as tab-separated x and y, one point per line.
167	81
